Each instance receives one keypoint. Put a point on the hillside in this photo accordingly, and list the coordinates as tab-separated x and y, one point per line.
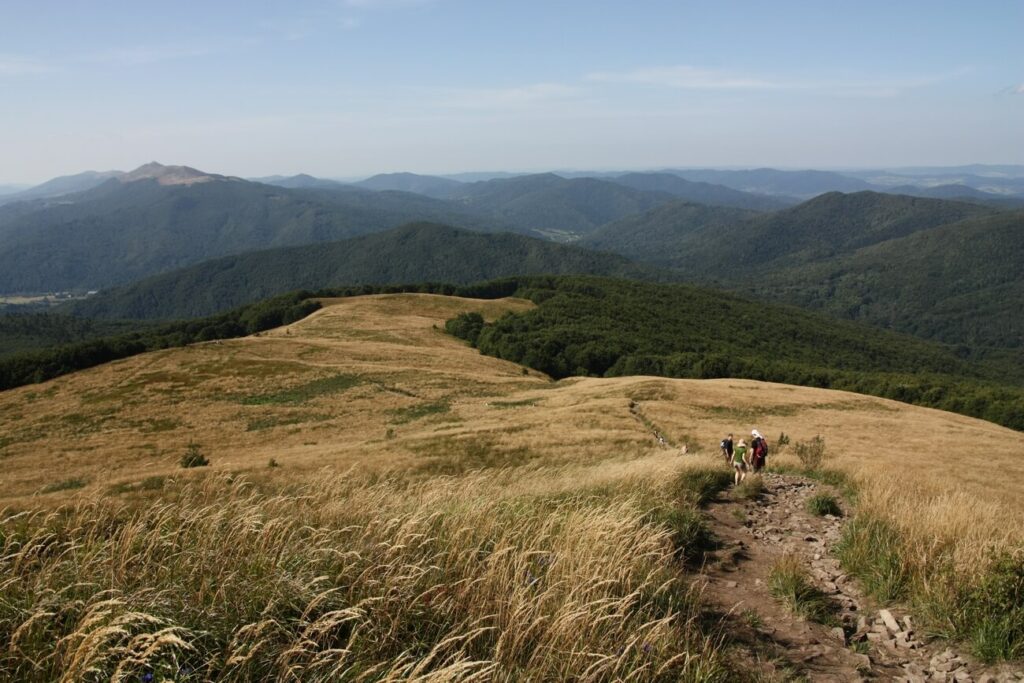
456	485
559	208
603	327
414	253
700	192
431	186
21	332
801	184
959	283
125	231
662	235
824	227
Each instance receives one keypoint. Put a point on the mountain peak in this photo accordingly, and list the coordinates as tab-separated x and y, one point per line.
169	175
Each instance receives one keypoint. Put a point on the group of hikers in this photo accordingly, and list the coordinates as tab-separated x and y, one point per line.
743	457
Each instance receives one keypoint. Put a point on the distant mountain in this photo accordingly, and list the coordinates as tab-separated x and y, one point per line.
661	235
12	189
950	191
958	283
418	252
700	192
477	176
300	181
431	186
62	185
559	208
800	184
170	217
826	226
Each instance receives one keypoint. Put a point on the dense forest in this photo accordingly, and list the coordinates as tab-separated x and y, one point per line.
31	331
602	327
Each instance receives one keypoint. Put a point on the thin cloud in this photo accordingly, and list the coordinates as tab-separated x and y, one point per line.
383	4
16	65
686	77
512	97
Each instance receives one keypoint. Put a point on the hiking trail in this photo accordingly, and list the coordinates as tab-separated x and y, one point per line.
863	643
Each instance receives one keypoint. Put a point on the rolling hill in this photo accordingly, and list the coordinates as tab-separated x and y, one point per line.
660	236
821	228
431	186
700	192
800	184
959	283
455	484
419	252
173	217
559	208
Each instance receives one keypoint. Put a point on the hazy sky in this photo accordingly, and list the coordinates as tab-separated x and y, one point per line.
342	88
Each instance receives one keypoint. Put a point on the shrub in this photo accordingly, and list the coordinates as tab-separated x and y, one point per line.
811	453
272	463
782	441
194	457
824	504
152	483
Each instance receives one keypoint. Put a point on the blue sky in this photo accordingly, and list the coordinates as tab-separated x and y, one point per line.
344	88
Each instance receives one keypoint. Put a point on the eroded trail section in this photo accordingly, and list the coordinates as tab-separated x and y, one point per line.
853	641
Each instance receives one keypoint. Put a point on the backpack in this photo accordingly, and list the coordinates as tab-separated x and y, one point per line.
761	448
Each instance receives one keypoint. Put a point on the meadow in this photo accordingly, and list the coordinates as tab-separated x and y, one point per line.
385	503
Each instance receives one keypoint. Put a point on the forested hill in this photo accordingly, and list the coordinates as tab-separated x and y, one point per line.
414	253
701	193
959	283
826	226
596	326
123	231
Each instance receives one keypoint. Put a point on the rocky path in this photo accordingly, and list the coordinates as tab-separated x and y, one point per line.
859	643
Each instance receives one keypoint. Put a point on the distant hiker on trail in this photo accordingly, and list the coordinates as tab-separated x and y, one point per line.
759	448
739	461
726	447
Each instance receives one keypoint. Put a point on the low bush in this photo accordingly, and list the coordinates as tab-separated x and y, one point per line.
194	457
824	504
811	453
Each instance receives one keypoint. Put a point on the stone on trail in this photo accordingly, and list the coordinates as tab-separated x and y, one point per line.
889	620
839	634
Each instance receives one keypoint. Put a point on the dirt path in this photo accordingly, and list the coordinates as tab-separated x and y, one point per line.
861	644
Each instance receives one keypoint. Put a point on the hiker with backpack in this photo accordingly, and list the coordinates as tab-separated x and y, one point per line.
759	450
726	447
739	462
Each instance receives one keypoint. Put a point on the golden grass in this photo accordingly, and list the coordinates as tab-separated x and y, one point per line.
543	467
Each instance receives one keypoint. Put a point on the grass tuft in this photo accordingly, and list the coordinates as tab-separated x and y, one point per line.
824	504
790	583
751	488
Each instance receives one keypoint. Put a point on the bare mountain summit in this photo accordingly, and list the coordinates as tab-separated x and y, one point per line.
170	175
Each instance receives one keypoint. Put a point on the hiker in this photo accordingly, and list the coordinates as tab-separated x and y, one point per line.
759	448
739	461
726	447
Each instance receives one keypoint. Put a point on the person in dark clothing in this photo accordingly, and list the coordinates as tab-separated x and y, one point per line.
726	447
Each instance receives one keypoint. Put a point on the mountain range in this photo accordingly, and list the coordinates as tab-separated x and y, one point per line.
419	252
194	242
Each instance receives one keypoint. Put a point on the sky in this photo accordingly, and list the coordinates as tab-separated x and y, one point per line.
349	88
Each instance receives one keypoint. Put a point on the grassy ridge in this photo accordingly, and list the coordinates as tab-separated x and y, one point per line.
39	366
593	326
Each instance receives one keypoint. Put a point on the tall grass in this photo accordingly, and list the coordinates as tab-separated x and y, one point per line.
958	561
337	579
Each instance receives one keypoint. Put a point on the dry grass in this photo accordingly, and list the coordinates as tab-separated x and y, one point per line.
415	406
348	579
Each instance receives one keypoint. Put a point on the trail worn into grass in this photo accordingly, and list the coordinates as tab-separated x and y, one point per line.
850	640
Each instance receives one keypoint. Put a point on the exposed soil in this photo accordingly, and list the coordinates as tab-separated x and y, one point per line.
861	642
